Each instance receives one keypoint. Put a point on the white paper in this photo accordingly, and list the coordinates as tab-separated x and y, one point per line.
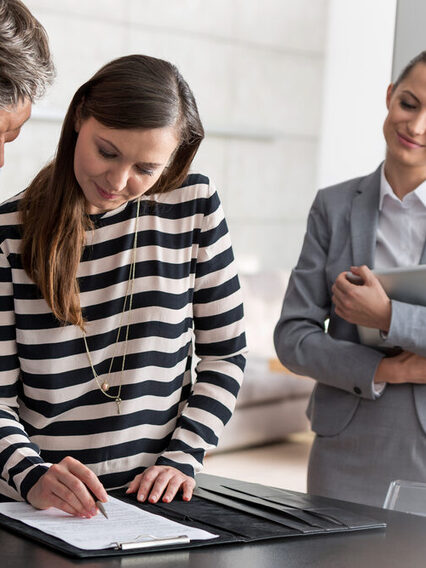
125	523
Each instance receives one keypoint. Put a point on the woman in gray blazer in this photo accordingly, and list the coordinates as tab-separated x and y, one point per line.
368	410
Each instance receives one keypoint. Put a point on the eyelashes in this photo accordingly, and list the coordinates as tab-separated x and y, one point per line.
105	154
407	105
110	156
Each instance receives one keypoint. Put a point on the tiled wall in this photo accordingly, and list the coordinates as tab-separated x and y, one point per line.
256	68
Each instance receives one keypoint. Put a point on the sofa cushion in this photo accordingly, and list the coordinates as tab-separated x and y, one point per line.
263	294
265	382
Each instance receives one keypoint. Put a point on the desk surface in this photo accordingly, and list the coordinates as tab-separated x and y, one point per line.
401	544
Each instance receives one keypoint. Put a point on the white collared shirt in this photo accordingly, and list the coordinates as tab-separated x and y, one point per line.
401	228
401	231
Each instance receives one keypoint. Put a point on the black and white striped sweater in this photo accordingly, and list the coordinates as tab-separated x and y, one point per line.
186	295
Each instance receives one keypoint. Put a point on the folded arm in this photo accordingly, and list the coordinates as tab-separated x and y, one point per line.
301	340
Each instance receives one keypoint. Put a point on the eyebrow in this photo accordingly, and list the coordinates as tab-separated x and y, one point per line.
145	164
407	92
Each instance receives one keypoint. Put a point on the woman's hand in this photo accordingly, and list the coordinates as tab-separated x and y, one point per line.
161	480
366	304
403	368
64	486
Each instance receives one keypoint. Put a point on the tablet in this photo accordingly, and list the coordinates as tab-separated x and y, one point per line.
404	284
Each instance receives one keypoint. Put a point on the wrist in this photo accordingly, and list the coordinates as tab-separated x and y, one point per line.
32	479
389	370
387	317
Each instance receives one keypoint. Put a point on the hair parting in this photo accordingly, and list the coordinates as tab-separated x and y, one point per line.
131	92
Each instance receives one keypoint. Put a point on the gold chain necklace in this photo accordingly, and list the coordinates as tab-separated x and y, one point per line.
104	386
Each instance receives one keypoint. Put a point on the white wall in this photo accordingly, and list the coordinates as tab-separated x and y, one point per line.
357	72
409	33
256	68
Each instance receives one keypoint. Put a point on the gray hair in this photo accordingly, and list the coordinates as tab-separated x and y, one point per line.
26	68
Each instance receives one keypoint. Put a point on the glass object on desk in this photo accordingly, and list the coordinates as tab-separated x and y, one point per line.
407	497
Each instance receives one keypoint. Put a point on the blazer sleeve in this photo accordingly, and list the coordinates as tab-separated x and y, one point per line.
408	328
301	340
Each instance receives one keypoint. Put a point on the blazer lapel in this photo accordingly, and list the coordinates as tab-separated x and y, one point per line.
364	216
423	257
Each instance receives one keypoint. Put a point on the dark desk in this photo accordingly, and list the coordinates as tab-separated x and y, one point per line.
401	545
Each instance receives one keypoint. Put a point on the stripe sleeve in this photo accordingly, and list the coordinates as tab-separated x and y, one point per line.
20	461
220	347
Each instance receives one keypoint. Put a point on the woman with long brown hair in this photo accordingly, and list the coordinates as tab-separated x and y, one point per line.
115	263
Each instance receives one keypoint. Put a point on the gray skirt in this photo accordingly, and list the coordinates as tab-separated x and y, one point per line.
384	441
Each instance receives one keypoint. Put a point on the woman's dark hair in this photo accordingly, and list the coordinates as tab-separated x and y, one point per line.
420	58
131	92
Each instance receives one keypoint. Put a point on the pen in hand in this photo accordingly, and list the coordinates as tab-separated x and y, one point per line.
98	503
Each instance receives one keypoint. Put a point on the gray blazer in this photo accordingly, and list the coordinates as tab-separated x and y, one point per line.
341	232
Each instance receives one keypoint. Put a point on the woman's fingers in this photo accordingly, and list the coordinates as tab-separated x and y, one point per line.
133	486
87	478
186	485
161	481
59	503
66	486
366	305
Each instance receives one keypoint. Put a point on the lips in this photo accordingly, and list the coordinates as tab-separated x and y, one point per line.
408	142
105	194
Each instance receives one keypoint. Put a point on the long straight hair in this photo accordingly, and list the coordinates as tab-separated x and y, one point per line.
131	92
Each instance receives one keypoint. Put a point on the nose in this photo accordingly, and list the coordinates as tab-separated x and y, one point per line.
417	125
117	178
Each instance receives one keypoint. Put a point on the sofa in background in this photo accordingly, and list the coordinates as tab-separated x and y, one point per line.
272	401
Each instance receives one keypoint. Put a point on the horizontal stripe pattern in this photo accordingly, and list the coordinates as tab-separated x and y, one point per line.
186	297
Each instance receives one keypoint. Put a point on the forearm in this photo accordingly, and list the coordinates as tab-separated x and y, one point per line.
408	328
220	345
21	463
208	409
307	350
404	368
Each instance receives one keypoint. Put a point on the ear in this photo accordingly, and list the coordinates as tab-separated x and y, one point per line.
389	95
77	119
77	124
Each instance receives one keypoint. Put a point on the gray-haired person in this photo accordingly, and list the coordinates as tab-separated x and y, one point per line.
26	68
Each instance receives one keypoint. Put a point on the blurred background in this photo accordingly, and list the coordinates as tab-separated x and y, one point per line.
292	96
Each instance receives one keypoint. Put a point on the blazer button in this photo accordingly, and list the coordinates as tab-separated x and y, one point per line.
357	390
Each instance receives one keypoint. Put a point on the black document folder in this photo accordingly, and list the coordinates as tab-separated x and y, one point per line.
237	511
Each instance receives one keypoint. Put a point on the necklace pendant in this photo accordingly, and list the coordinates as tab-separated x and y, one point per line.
118	402
105	386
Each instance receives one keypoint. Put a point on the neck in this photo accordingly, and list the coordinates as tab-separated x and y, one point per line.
403	179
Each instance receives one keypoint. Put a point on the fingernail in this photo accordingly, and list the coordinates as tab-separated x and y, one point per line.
153	498
166	499
141	497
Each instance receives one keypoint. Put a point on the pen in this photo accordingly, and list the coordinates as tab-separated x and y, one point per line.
98	503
